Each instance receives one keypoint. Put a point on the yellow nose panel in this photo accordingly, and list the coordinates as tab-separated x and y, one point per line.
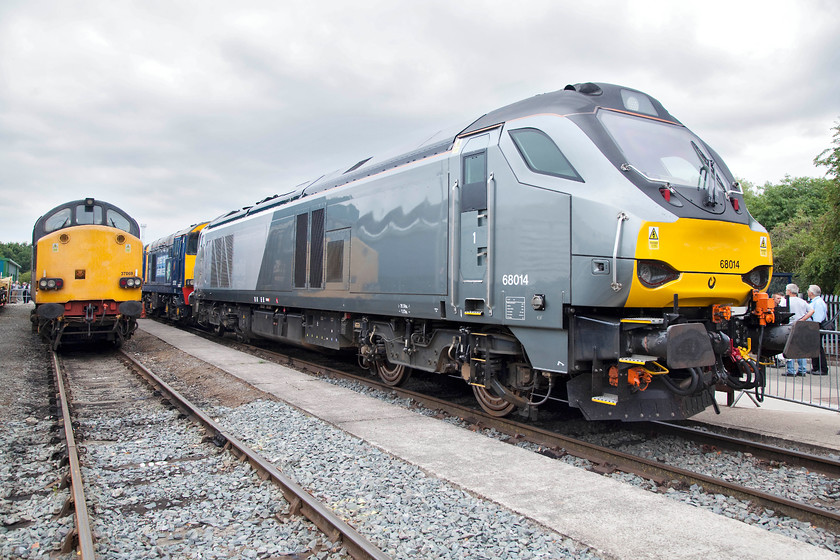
710	255
91	260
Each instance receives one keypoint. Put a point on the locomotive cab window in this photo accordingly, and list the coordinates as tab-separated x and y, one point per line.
117	220
88	215
664	151
192	244
474	191
542	155
58	220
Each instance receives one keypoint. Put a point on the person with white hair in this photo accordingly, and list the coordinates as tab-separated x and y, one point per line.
799	307
817	312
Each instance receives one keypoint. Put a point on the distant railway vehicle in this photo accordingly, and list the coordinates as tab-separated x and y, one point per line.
86	273
581	244
5	290
168	274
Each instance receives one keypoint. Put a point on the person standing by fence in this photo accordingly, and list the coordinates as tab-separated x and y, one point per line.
817	312
799	307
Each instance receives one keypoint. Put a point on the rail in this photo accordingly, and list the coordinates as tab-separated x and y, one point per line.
301	501
82	533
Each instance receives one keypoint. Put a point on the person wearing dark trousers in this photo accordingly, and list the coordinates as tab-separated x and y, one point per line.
817	312
799	308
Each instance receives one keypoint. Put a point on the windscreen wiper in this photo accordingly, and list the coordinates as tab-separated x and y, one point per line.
707	169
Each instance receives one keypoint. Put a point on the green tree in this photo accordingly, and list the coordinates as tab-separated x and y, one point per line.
791	211
773	205
793	242
823	264
21	253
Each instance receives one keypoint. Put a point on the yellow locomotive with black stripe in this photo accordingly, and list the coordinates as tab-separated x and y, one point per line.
87	263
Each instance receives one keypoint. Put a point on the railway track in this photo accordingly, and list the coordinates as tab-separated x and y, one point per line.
607	459
104	396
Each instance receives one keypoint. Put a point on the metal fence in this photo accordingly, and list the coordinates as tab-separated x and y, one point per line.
821	391
17	294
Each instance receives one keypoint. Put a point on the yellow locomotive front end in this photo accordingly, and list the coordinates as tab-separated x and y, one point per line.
703	262
86	274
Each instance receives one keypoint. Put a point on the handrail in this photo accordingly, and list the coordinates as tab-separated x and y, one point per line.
454	245
491	223
616	285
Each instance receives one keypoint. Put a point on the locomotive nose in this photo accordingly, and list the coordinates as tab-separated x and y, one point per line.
732	260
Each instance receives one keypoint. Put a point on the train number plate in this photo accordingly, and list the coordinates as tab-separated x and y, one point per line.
514	279
729	264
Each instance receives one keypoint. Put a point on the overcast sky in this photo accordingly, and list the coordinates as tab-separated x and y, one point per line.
180	111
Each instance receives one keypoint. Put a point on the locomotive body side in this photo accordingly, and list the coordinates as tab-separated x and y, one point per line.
86	267
543	244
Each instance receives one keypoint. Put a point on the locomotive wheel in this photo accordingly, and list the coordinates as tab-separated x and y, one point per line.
392	375
492	405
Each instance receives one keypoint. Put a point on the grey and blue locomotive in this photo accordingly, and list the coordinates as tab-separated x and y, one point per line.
581	242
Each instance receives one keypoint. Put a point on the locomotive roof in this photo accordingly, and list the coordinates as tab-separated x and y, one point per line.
573	99
44	225
170	239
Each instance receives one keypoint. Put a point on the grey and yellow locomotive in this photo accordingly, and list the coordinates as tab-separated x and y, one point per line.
581	243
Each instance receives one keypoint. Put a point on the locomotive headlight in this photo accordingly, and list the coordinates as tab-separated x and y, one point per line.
51	283
130	282
653	274
758	277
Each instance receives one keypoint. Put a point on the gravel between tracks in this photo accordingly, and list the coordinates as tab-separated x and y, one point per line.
29	460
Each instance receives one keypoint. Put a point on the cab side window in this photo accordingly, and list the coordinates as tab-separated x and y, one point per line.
474	191
542	155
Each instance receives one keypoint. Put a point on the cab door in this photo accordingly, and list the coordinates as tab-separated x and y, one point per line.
177	261
471	212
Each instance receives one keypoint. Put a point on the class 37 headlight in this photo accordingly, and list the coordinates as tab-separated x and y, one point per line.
50	283
130	282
